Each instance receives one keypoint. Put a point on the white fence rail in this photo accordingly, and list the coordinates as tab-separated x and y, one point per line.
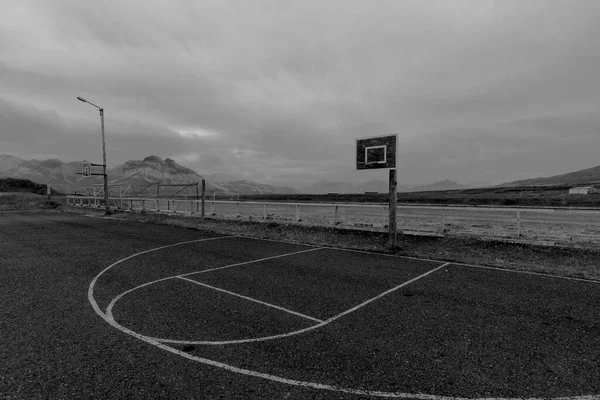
555	225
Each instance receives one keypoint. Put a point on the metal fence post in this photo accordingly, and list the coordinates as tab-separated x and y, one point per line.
297	212
265	212
518	223
203	215
442	220
237	209
335	215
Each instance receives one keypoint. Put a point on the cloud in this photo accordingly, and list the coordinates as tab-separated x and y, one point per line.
194	133
205	161
468	85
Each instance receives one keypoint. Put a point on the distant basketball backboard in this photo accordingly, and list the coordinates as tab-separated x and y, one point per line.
86	168
376	152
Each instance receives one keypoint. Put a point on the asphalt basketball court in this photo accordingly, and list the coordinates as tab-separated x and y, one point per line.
356	322
99	308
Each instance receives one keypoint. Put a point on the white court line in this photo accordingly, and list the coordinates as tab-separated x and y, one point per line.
251	299
542	274
516	271
292	333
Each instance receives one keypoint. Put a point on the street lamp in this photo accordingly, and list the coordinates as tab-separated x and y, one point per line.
107	211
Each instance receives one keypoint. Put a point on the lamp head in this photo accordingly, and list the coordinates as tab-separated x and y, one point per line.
82	99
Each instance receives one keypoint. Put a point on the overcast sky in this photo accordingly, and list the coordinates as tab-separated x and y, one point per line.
277	91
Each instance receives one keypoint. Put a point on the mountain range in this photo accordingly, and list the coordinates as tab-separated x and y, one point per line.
588	176
136	175
133	175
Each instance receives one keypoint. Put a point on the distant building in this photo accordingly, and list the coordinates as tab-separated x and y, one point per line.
583	190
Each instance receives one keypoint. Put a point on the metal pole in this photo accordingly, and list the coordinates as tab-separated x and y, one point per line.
107	208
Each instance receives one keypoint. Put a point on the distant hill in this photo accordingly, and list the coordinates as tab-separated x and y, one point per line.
142	173
590	176
442	185
137	173
232	183
153	169
59	174
13	185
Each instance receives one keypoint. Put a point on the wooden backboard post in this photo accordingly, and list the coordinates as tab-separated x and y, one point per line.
378	152
393	237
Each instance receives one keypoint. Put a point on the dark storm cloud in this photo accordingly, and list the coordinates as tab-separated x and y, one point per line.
78	139
477	90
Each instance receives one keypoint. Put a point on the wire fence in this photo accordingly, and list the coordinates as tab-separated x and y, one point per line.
567	226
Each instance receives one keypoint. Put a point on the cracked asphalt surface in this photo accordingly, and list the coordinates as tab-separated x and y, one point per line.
459	331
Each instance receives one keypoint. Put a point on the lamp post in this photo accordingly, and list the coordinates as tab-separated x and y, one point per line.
107	210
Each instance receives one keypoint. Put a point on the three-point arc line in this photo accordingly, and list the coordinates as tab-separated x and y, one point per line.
160	343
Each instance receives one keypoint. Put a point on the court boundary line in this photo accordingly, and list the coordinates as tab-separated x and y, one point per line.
593	281
251	299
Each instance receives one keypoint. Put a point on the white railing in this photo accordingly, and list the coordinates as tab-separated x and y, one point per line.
567	225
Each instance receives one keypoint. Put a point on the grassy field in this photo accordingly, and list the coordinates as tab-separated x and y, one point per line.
21	201
13	185
548	196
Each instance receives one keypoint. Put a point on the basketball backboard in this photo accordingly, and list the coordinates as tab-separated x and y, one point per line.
86	168
376	152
